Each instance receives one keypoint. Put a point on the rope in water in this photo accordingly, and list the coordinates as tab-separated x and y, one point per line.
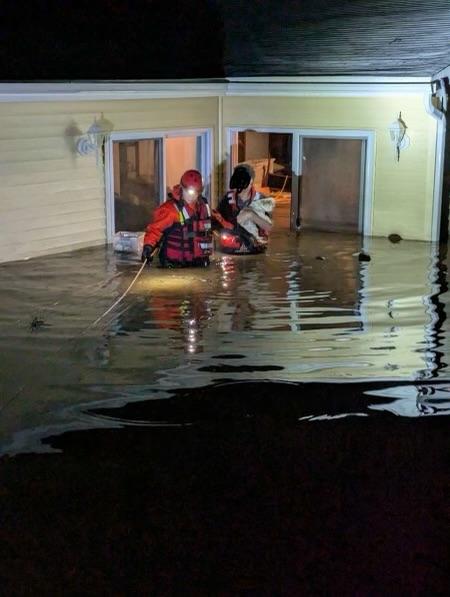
121	297
282	188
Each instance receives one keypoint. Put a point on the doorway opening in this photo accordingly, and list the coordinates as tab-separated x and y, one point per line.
270	154
141	168
320	179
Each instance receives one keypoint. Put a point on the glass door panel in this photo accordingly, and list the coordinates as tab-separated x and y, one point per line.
330	183
137	182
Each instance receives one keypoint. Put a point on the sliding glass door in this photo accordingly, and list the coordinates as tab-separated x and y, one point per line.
143	167
329	186
137	182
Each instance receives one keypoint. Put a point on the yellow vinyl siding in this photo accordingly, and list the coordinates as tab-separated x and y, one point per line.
403	191
52	199
46	188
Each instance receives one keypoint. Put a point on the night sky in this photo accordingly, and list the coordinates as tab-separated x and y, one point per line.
109	39
190	39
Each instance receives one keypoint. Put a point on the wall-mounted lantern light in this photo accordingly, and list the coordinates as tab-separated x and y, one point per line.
399	138
93	140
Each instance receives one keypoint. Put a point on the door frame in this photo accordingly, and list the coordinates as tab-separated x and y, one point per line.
206	160
367	163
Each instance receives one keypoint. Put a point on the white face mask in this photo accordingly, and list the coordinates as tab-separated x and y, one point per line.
190	195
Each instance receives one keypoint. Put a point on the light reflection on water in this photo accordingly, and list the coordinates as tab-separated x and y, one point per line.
308	310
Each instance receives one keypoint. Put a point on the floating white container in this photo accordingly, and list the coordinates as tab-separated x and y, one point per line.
128	242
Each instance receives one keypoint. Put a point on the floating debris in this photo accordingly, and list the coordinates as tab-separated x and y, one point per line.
36	323
321	258
363	256
395	238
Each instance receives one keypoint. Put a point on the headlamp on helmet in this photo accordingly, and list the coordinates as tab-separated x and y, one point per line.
192	182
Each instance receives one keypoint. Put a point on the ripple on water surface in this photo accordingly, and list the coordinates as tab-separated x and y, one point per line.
285	316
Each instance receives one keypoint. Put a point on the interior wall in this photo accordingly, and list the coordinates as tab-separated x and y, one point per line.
402	191
52	199
181	155
256	145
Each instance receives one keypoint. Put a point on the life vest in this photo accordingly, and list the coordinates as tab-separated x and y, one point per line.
238	241
188	241
233	199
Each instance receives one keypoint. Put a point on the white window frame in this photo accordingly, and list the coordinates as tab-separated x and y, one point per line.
367	162
206	168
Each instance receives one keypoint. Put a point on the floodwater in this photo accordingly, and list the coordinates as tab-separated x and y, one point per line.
306	311
298	381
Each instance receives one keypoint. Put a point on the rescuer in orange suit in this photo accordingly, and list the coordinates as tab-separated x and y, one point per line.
181	226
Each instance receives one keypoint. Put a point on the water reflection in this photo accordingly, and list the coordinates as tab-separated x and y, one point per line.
308	310
182	318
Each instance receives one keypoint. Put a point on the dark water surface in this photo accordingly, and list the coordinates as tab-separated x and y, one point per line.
270	425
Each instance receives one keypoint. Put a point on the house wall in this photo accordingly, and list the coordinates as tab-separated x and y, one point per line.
403	191
52	199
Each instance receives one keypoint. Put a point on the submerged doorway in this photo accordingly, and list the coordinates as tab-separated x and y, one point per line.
142	167
320	179
270	154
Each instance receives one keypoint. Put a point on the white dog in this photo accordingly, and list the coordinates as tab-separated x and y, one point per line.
257	215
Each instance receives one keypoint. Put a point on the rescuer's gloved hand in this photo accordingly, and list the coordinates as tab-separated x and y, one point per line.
147	253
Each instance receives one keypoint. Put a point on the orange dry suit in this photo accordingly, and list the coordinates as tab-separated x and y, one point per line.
182	231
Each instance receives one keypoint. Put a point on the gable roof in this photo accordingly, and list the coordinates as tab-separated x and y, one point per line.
324	37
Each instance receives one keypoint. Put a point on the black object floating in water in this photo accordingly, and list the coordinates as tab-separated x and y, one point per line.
395	238
36	323
363	257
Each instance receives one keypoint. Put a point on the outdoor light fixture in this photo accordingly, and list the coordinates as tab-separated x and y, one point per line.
399	138
93	140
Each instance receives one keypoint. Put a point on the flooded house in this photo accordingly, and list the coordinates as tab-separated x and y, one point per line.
354	136
359	154
273	424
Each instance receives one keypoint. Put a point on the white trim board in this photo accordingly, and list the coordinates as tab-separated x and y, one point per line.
325	89
284	86
330	79
38	92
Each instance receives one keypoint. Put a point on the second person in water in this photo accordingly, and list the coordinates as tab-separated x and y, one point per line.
243	215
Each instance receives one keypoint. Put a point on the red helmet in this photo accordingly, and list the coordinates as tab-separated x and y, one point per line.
192	179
